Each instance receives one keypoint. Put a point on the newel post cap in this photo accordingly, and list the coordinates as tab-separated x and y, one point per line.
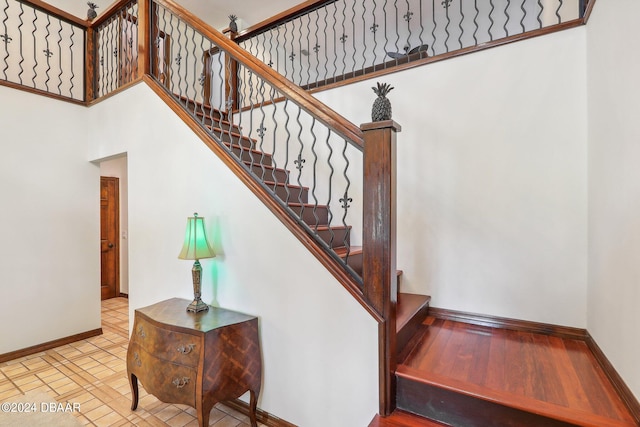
381	125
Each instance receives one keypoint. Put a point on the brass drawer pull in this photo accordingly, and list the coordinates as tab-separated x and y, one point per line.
136	360
181	382
186	350
141	332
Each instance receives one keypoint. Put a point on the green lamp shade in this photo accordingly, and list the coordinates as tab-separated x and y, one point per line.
195	244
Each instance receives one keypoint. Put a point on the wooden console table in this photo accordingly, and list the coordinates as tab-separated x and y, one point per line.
196	359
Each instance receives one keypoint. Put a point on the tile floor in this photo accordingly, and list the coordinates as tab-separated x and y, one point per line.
92	372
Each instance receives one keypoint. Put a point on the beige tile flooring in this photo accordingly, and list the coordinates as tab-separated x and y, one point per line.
92	372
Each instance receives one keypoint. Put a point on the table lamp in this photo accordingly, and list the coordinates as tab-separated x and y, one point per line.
196	247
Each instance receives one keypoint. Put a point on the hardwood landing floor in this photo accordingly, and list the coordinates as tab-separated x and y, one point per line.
548	372
93	373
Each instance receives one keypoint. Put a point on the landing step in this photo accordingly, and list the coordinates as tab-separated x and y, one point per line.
464	375
403	419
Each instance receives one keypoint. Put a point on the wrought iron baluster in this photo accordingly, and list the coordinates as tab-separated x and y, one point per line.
375	33
364	34
421	21
35	44
343	38
20	24
491	19
346	200
335	42
330	185
314	179
60	57
508	18
325	43
460	24
73	33
446	4
540	10
475	22
560	4
524	15
433	29
300	160
6	39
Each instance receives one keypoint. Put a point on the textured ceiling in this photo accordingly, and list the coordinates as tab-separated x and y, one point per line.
214	12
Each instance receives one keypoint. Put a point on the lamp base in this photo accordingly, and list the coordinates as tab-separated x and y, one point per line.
197	306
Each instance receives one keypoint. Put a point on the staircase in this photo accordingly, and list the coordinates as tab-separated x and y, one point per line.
261	166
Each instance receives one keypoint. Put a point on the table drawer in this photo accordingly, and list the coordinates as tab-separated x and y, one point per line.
165	344
169	382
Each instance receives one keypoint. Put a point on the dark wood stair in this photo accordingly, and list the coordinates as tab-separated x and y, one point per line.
465	375
278	180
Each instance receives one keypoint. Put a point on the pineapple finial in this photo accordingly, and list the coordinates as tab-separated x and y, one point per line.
381	106
233	25
91	13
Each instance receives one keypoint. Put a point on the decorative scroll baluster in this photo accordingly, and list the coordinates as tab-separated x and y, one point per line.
5	39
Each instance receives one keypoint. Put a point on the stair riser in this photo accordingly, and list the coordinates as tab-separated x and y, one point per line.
235	140
310	213
295	194
458	410
251	156
355	262
268	174
217	123
340	237
200	109
410	332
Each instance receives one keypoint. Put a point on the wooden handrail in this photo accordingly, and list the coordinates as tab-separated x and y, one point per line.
58	13
304	100
280	18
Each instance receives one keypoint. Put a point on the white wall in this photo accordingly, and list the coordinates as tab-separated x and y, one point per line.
117	167
319	346
49	222
614	184
492	178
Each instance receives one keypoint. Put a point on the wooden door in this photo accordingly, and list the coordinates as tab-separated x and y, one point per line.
109	242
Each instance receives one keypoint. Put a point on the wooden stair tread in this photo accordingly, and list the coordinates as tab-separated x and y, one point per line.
570	415
342	251
282	184
270	167
403	419
331	227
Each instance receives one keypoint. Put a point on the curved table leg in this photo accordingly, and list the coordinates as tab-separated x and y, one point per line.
253	405
133	382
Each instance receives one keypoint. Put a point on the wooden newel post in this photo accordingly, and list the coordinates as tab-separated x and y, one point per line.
379	244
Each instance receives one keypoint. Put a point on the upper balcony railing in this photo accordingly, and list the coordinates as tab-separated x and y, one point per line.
42	49
328	41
